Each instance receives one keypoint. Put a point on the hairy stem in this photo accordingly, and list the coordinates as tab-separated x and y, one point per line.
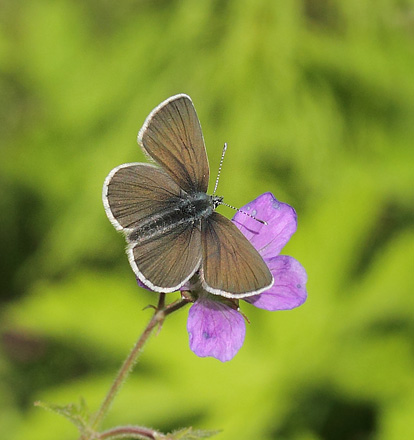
130	432
157	319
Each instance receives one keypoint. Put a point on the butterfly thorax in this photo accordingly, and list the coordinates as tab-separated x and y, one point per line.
180	212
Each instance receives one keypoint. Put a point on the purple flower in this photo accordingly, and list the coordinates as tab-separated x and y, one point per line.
214	325
215	329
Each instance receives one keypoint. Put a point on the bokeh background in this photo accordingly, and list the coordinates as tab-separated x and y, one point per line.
315	99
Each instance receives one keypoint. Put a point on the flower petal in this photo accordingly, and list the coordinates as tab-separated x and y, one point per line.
288	290
141	284
215	329
281	224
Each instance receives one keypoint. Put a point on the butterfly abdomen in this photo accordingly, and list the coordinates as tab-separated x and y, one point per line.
179	212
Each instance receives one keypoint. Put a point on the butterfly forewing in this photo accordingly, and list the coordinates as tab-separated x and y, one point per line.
232	267
165	262
172	136
135	191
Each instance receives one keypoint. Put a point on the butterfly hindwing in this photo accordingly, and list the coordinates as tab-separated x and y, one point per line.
166	261
231	266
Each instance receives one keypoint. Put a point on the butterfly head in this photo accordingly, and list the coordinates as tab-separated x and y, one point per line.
217	200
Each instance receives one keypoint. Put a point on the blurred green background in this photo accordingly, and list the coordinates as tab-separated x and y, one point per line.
316	101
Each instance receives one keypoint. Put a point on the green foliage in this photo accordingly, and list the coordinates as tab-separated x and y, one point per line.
77	414
315	99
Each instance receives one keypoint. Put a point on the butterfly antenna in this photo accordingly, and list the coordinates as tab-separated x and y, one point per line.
226	204
219	170
245	213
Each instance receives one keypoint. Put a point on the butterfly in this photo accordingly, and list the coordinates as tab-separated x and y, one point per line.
169	221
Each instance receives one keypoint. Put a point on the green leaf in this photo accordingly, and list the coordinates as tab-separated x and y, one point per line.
76	414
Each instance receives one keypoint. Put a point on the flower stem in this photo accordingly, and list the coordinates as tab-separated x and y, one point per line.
130	432
158	318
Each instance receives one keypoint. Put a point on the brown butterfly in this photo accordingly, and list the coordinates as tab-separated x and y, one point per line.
170	223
